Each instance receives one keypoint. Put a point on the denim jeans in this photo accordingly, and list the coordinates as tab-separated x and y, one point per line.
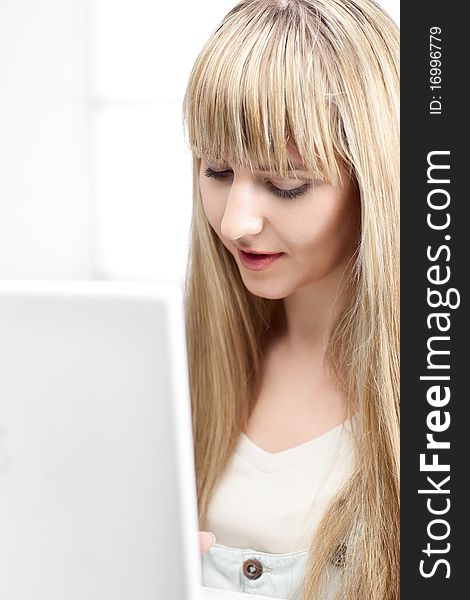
254	572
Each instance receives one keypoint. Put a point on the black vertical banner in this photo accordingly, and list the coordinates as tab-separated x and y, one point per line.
435	266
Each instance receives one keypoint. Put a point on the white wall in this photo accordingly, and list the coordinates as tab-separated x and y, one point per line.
393	9
45	204
95	177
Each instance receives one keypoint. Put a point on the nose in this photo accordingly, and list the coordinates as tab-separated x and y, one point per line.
242	215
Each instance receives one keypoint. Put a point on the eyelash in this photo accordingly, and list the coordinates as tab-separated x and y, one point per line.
295	193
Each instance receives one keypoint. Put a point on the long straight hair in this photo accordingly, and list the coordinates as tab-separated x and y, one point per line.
323	75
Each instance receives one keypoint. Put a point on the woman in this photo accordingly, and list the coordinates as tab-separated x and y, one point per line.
292	299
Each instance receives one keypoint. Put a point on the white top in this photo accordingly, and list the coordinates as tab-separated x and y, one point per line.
272	502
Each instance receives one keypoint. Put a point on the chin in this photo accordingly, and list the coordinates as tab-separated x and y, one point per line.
266	290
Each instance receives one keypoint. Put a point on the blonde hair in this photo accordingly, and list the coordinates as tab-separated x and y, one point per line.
322	74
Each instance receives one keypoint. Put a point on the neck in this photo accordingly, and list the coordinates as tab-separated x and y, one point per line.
306	317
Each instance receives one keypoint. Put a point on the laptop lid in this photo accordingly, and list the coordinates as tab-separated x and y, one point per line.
97	493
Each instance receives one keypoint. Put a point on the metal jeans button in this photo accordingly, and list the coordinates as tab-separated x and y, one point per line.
252	568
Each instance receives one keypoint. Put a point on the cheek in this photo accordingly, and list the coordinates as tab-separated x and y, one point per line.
326	231
212	204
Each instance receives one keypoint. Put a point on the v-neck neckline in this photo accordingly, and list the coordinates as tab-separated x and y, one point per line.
313	449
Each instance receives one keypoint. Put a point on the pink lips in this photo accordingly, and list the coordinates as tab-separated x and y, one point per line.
258	261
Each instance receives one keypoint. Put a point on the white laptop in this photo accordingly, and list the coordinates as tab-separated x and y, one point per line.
97	493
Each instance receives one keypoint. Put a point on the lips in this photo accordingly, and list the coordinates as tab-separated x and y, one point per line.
258	261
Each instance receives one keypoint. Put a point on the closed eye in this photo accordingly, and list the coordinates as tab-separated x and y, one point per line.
217	174
290	193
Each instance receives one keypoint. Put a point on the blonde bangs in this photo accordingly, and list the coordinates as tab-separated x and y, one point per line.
245	101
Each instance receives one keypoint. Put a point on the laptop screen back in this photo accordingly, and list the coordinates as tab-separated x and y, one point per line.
97	495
